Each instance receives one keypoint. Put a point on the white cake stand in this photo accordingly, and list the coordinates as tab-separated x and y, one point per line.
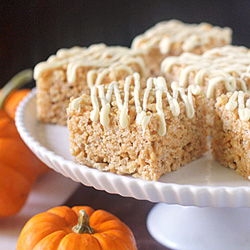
210	198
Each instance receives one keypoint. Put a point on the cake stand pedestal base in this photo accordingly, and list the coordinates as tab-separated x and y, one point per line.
180	227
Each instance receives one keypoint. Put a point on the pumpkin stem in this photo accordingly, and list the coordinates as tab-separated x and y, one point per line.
15	82
83	224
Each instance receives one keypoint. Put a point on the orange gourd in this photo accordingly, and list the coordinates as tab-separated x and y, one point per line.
19	167
12	101
73	229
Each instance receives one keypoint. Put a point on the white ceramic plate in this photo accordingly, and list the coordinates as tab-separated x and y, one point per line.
202	183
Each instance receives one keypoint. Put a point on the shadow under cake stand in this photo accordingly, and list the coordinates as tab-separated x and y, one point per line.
201	206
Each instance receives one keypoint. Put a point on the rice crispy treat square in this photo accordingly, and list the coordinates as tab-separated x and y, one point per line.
231	134
74	71
138	128
217	71
172	38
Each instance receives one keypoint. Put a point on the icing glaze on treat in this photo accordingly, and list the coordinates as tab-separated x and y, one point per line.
158	85
166	33
238	100
228	65
103	59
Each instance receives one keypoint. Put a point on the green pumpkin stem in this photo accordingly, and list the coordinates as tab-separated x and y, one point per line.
83	224
15	82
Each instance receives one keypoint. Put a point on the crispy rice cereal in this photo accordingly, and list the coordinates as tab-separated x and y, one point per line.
172	38
74	71
217	71
231	133
137	128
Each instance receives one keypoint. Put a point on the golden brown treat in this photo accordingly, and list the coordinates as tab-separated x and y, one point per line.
72	72
231	134
172	38
217	71
127	128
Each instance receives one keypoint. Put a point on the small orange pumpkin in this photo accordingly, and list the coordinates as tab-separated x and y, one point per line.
19	167
73	229
9	97
15	153
14	190
12	101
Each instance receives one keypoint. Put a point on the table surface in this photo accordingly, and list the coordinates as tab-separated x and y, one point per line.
131	211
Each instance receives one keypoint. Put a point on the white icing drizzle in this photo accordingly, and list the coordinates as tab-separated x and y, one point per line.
228	65
76	104
167	33
161	87
101	59
104	118
95	112
142	118
238	100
